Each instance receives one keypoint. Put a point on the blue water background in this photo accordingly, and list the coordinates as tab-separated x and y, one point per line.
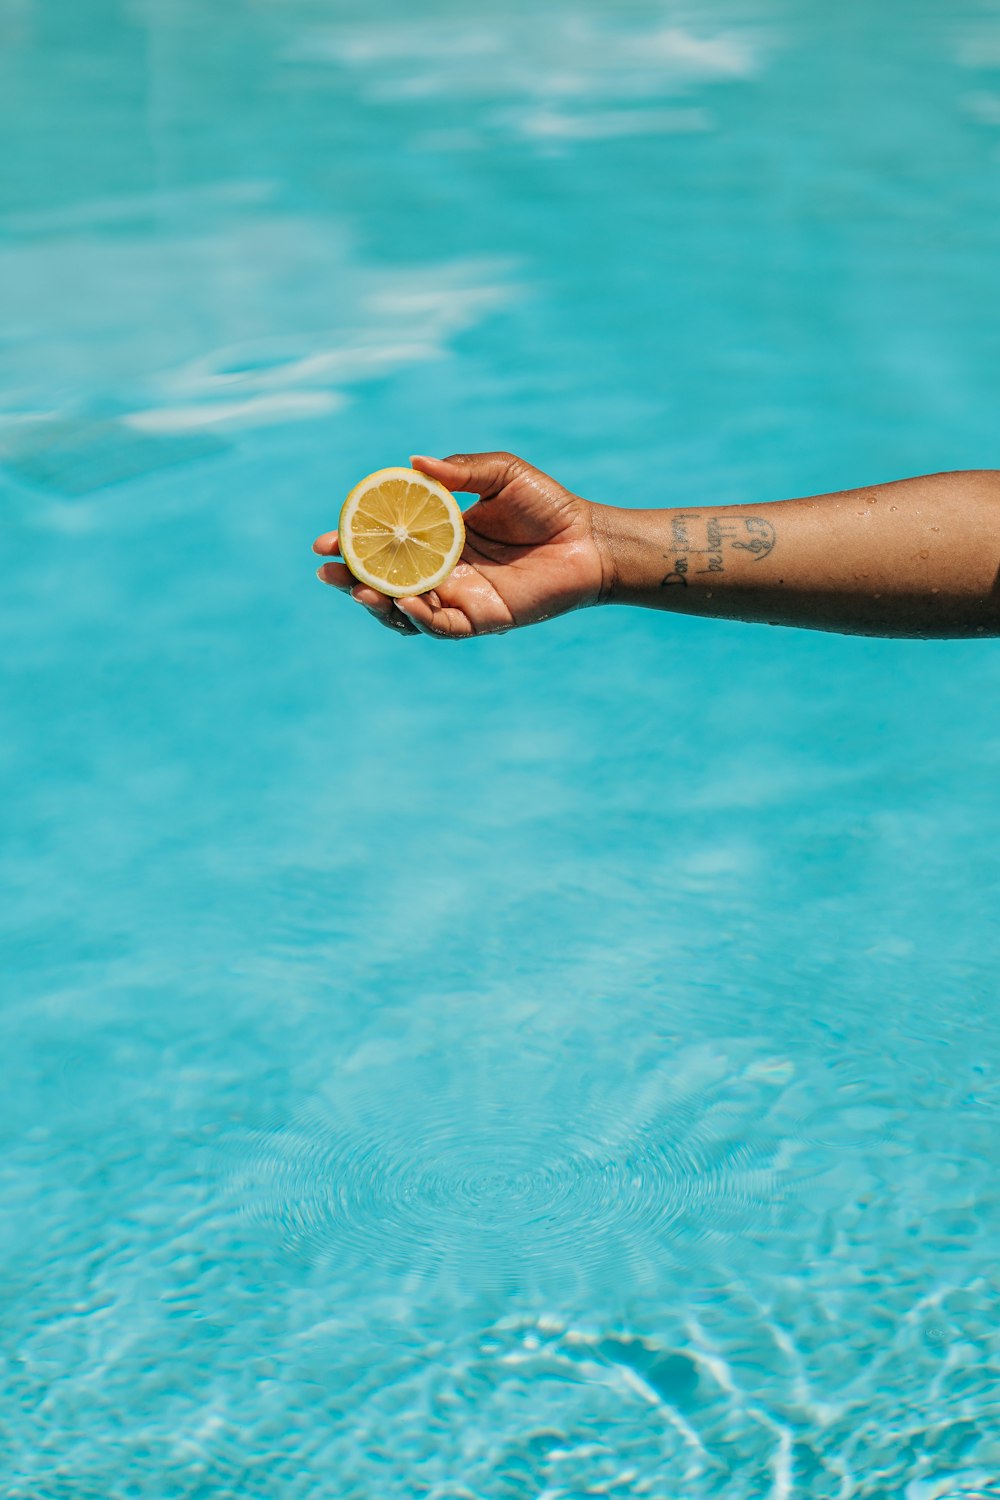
561	1064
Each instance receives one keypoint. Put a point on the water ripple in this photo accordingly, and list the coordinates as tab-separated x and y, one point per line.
509	1180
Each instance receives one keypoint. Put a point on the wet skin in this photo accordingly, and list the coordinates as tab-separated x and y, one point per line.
917	557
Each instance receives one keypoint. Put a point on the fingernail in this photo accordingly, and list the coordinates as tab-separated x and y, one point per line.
422	458
319	575
355	595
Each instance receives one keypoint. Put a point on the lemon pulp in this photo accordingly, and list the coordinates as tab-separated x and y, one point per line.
401	532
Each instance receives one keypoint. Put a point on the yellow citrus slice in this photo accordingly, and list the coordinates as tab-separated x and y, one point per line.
401	532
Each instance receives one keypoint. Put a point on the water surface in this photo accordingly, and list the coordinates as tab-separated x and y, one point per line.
565	1064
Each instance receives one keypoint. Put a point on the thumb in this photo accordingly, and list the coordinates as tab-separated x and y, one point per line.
483	474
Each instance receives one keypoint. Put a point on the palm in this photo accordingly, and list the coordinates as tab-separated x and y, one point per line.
530	553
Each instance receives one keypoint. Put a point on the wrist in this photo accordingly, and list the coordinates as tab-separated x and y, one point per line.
607	532
631	552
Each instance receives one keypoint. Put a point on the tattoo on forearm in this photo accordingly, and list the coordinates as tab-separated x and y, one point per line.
699	544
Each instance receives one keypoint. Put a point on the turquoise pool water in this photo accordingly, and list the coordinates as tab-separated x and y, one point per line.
562	1065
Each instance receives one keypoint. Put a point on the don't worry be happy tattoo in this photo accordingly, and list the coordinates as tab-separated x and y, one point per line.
700	544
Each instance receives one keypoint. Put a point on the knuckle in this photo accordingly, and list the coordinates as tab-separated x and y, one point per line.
516	468
441	628
501	458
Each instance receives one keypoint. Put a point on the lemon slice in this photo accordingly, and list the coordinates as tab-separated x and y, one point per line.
401	532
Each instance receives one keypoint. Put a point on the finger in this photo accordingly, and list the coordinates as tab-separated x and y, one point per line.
327	545
394	621
445	622
470	594
483	474
338	575
341	578
381	608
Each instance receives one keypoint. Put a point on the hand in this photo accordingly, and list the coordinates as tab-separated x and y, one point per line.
532	551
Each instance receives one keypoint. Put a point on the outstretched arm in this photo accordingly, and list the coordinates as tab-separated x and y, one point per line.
920	557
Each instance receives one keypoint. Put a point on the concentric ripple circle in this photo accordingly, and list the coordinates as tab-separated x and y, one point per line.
519	1174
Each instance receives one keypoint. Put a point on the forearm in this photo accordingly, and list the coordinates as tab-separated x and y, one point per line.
920	557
